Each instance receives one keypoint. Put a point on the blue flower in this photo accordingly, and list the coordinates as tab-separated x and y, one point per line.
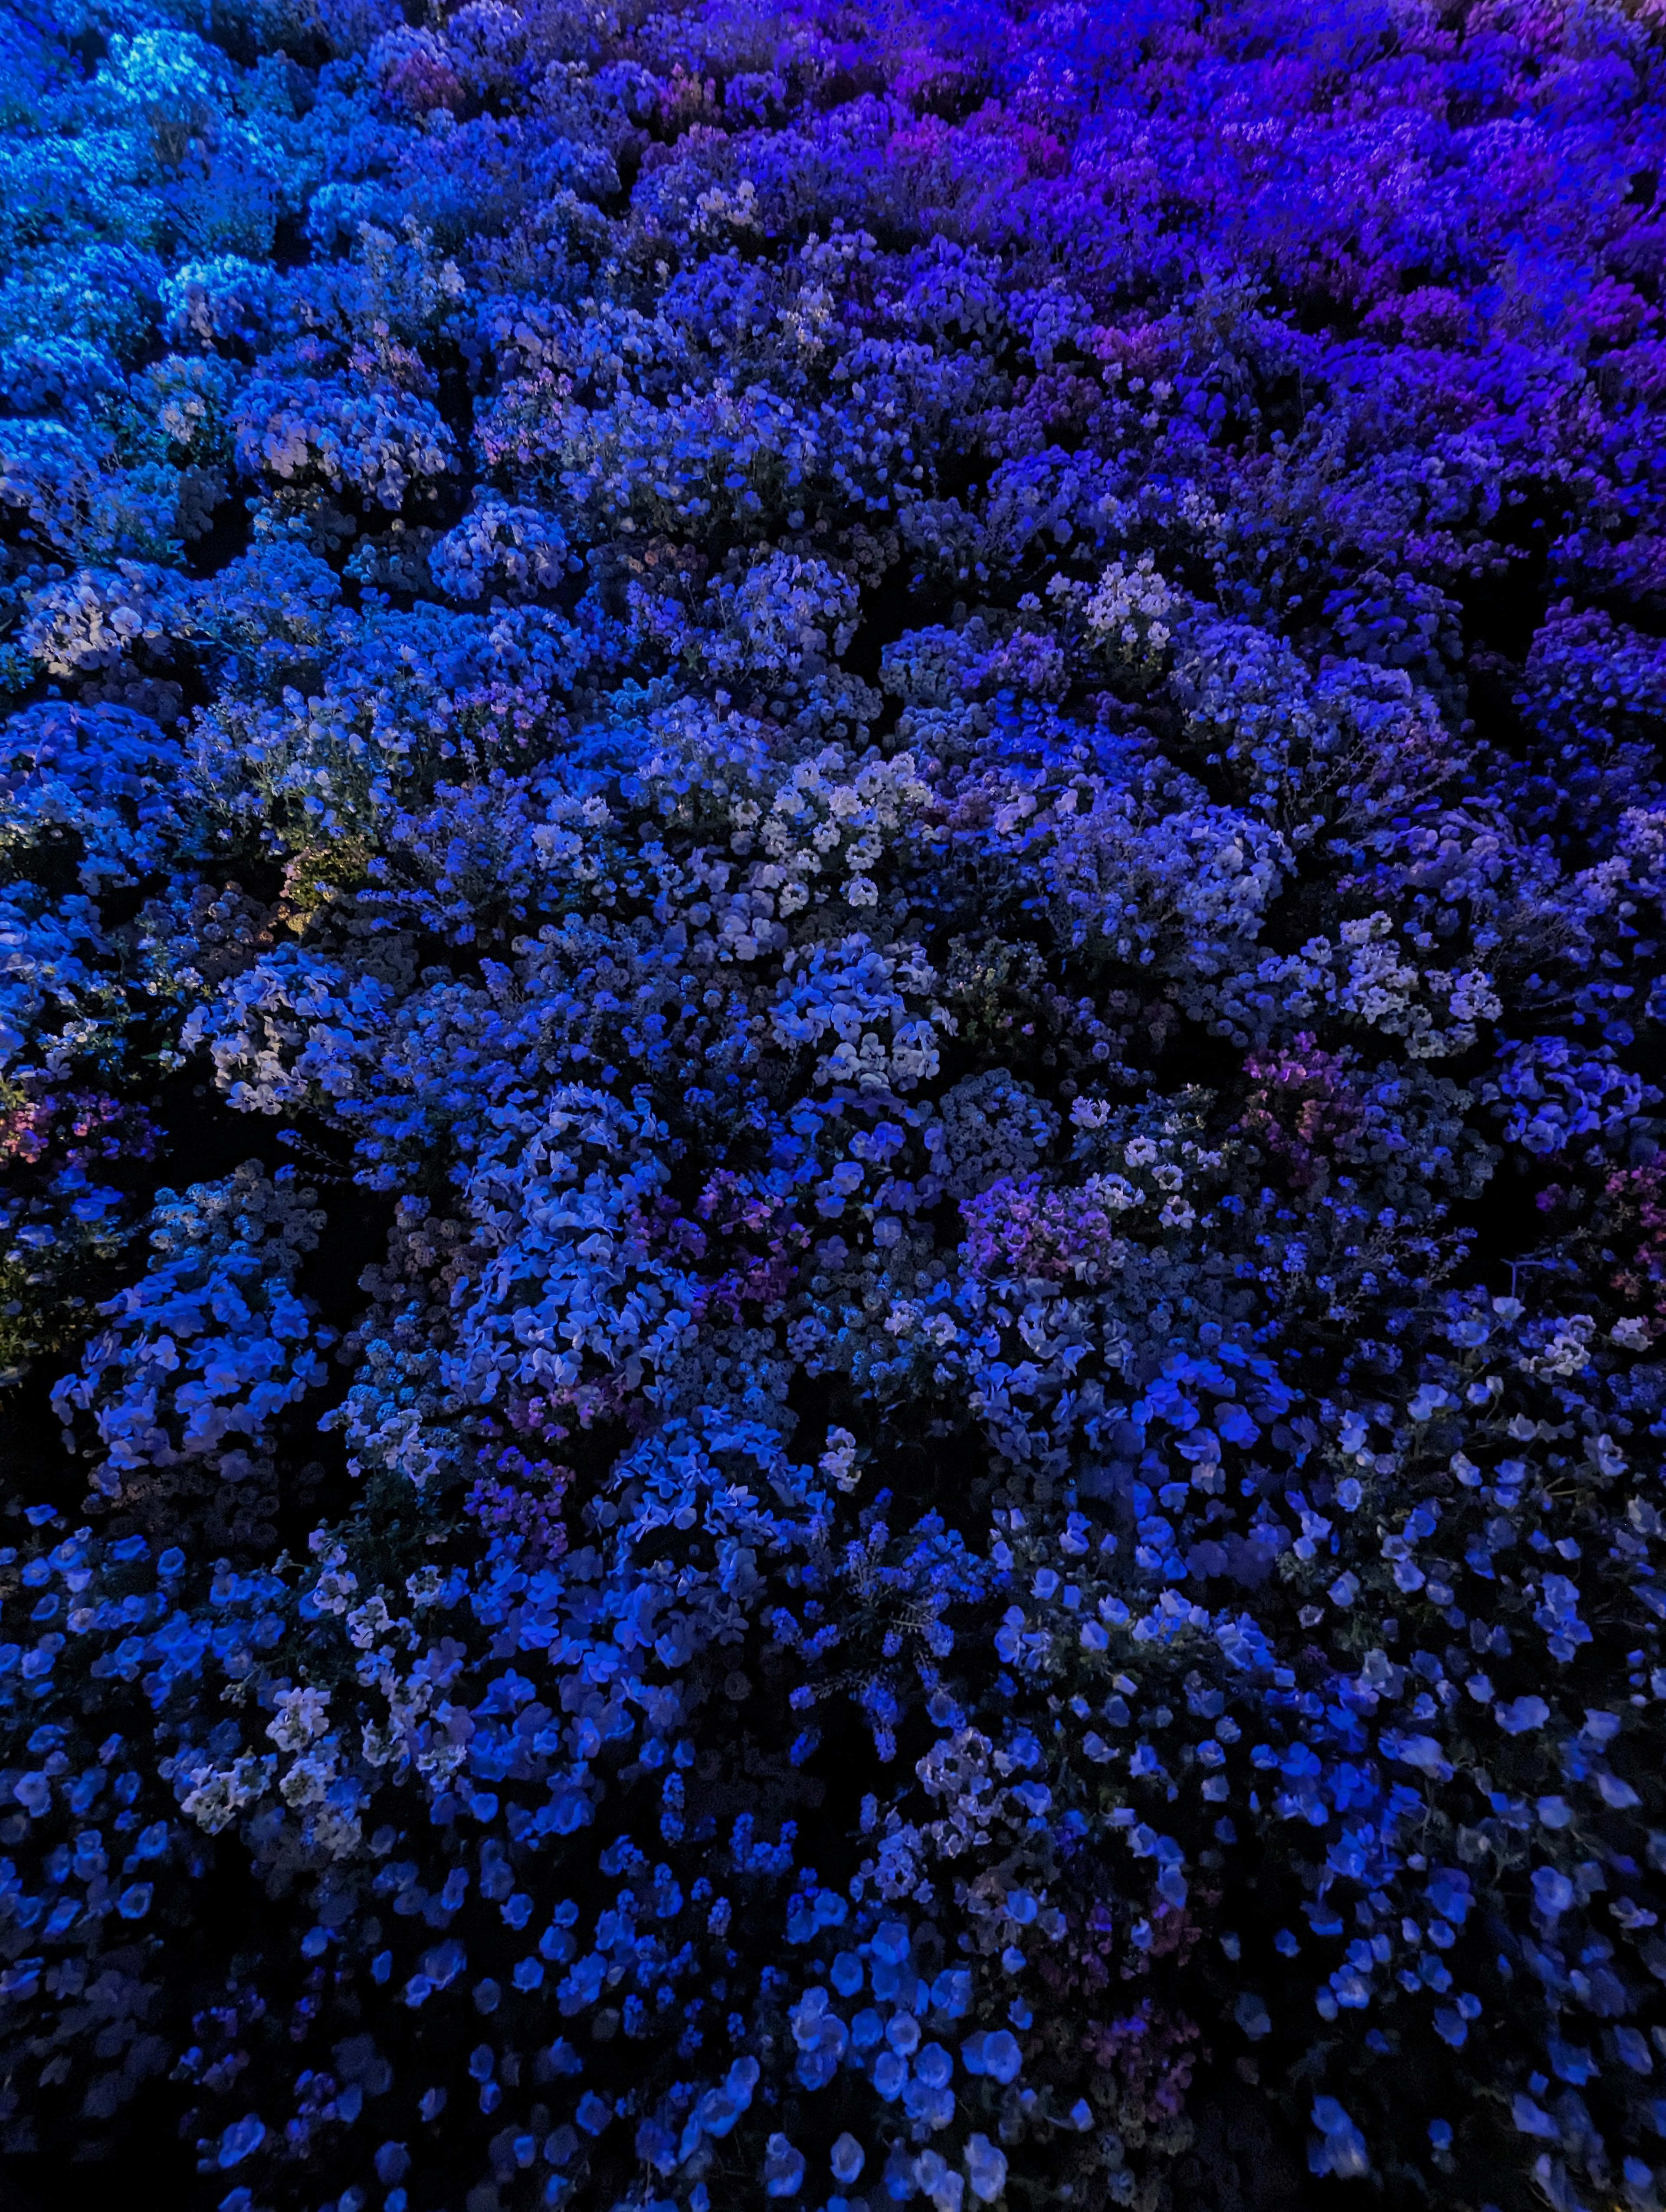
240	2140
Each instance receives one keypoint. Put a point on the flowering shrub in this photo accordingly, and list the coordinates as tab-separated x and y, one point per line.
833	1252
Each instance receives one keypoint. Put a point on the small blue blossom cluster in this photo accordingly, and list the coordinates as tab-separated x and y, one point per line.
833	1254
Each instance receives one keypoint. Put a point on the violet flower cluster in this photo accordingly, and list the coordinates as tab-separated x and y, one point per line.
833	1261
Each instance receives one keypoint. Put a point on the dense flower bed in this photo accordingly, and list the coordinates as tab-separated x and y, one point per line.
833	1293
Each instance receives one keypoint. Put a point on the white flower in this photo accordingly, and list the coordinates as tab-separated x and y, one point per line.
1125	614
838	1462
218	1795
369	1621
299	1718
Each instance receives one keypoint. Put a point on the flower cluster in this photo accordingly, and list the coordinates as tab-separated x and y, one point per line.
833	1250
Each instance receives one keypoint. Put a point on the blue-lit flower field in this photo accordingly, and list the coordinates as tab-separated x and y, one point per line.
832	986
